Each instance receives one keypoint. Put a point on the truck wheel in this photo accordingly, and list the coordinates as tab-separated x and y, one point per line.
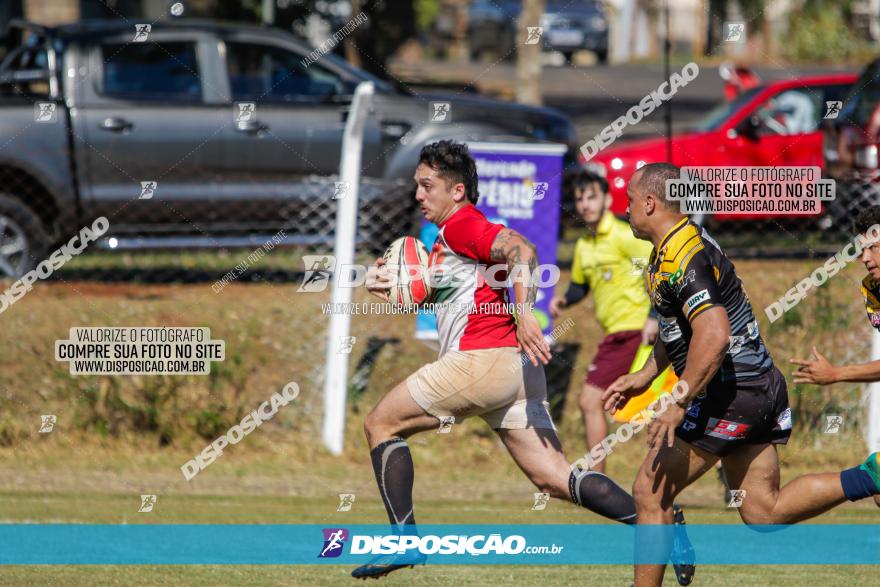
23	240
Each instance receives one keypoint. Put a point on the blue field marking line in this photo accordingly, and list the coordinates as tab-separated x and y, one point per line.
291	544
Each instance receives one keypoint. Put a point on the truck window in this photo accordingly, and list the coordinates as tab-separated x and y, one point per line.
150	71
265	73
791	112
33	60
720	113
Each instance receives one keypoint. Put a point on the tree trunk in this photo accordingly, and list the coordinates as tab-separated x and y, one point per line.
528	57
351	52
699	40
458	49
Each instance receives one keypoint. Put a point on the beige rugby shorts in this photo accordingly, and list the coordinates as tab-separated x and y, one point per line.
490	383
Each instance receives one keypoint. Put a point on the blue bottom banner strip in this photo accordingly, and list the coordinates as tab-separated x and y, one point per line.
277	544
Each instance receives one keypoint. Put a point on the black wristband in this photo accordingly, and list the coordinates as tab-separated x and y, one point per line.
575	293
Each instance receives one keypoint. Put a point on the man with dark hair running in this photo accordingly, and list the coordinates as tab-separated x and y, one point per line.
480	371
736	408
819	370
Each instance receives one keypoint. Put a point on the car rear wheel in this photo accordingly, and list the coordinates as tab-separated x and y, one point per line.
23	240
569	57
602	57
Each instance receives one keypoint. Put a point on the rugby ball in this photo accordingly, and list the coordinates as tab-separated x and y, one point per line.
407	260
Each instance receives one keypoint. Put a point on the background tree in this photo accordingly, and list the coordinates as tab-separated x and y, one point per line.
528	57
750	11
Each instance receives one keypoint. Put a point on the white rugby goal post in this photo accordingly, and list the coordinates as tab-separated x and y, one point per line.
336	365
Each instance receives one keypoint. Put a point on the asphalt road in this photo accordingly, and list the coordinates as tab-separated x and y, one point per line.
593	95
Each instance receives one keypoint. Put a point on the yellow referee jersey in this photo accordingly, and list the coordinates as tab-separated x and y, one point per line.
611	265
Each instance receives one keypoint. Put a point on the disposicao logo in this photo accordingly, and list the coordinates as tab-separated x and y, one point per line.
334	540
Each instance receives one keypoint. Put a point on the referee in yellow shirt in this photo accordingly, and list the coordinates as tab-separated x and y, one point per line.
606	262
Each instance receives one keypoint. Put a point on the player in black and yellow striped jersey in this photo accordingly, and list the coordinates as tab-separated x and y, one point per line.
689	274
736	405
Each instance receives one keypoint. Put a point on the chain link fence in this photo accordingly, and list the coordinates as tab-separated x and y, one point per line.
33	225
856	190
804	236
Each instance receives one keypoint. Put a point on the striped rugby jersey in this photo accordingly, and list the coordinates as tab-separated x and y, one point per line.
871	292
470	314
688	274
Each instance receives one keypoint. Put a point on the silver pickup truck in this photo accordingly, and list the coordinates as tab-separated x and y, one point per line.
204	134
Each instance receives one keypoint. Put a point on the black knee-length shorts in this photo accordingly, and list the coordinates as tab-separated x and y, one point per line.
744	412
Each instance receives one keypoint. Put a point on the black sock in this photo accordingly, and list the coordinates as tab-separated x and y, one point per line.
599	494
392	463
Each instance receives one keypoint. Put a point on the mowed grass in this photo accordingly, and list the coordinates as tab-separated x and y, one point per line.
102	508
440	575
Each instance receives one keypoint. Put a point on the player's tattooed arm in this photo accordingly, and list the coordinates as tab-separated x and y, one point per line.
500	245
522	261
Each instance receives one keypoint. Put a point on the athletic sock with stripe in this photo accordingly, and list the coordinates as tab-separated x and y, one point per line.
393	465
599	494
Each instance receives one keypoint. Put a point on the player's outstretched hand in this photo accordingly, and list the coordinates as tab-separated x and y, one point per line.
556	305
378	280
818	371
618	393
531	340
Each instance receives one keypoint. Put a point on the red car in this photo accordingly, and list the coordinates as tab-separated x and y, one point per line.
777	123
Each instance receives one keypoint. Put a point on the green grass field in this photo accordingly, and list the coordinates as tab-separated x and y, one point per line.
119	437
109	508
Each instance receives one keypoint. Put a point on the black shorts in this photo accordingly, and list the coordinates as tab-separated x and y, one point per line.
745	412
